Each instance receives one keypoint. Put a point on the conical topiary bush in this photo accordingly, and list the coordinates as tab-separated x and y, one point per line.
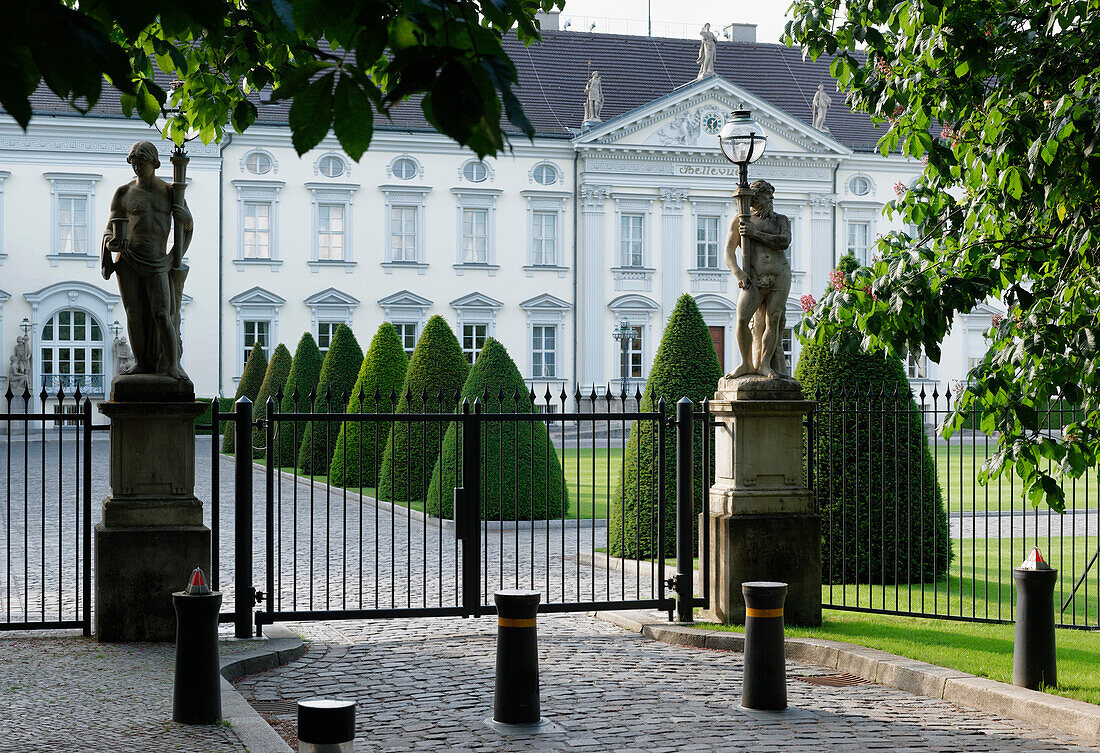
305	370
437	372
251	379
360	445
274	381
523	479
338	374
685	366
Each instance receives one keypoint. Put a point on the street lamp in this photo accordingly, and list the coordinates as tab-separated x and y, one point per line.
25	325
624	333
742	142
116	328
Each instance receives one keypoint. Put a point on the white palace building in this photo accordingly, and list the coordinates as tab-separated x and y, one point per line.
546	249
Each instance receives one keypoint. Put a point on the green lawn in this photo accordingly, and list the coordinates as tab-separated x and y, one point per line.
978	648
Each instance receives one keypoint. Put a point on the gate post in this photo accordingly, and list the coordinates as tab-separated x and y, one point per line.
243	593
685	486
470	530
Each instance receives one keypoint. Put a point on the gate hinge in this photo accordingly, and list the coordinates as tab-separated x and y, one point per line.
259	423
672	583
259	596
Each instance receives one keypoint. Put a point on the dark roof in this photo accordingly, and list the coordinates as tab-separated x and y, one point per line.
635	71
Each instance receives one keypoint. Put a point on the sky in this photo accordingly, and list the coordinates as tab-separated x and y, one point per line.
684	17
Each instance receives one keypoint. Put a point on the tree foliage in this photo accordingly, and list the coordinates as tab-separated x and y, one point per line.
341	63
998	99
338	372
360	444
278	369
301	384
252	378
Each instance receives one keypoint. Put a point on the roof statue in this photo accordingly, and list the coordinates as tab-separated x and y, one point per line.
820	107
594	98
706	52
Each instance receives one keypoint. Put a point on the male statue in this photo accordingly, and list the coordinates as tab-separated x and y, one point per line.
141	215
820	108
765	281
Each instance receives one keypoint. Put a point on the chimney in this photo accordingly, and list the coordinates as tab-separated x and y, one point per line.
743	32
548	21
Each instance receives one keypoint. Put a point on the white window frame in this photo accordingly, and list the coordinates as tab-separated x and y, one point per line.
546	310
638	311
89	345
399	326
632	256
79	186
417	174
872	188
335	155
857	212
258	192
406	307
333	194
476	308
553	351
631	277
471	355
415	197
548	202
476	199
263	152
327	327
330	305
256	304
559	174
490	173
246	347
704	246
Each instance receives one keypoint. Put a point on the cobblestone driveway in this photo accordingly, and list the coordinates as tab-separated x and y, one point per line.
427	685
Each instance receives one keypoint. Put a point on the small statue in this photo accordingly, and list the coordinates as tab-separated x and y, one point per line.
150	277
124	357
594	101
820	107
765	281
19	368
706	52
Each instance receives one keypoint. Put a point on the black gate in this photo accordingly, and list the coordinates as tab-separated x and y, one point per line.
523	497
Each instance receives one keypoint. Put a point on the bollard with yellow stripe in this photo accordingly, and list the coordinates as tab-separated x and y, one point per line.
765	681
516	701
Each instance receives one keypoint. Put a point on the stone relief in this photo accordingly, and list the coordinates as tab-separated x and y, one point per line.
593	102
19	368
681	131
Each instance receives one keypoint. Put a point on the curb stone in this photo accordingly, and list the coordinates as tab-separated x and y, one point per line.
280	647
1073	717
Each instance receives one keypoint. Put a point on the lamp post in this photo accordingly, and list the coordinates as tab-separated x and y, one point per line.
624	333
742	142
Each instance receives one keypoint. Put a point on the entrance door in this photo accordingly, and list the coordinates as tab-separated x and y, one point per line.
718	335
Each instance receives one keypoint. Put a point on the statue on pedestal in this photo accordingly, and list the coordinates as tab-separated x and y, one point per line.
820	107
124	357
19	368
150	276
707	49
764	277
593	102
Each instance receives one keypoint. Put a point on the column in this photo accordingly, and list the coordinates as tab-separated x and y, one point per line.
821	245
672	257
594	271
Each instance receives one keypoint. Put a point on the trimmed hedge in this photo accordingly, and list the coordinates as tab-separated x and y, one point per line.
252	378
437	373
523	478
355	461
305	370
877	487
225	407
686	365
338	374
278	369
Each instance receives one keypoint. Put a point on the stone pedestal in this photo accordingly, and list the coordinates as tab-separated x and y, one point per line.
151	536
762	522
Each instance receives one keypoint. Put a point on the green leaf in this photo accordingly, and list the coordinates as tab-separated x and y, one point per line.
353	118
311	113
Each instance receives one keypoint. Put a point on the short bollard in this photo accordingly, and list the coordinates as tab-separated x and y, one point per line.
326	726
517	688
765	681
197	697
1034	661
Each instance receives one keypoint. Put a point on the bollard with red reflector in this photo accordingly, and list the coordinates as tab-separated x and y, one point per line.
1034	661
197	698
765	682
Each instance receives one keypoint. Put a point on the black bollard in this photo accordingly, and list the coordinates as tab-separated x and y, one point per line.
1034	661
326	726
197	697
517	688
765	685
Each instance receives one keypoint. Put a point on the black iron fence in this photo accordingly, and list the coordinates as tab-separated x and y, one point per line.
908	529
46	511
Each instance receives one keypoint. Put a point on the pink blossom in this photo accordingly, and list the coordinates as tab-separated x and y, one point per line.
997	319
871	293
836	279
884	68
900	188
808	303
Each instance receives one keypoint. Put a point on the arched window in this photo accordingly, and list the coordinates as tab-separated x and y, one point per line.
859	185
71	349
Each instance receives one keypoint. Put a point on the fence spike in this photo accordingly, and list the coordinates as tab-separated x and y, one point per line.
279	395
44	396
638	394
77	395
9	395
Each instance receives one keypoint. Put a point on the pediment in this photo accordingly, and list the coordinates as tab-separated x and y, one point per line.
331	297
405	298
545	302
476	301
257	296
689	118
4	296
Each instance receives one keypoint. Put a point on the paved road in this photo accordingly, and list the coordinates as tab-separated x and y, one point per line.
427	685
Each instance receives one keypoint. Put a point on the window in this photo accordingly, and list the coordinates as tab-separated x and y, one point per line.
916	366
545	175
331	166
788	347
330	232
858	234
475	236
71	351
544	238
706	242
72	225
404	169
630	357
544	352
475	172
473	340
257	230
859	185
255	332
407	332
630	240
325	332
258	163
403	233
